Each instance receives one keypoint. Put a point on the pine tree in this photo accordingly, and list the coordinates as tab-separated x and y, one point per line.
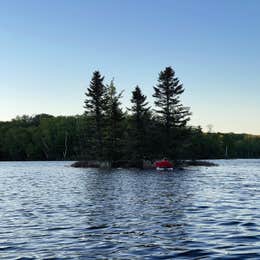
114	126
167	99
95	105
140	115
171	113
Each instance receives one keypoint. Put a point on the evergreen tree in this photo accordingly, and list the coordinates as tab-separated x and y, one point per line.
95	105
114	123
170	112
167	100
140	115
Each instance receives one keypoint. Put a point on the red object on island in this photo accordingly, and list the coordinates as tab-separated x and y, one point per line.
163	164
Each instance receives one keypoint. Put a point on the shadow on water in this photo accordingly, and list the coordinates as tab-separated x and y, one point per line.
142	210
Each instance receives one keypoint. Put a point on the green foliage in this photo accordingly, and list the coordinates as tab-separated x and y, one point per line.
20	140
170	112
114	127
95	105
140	117
106	132
52	138
167	100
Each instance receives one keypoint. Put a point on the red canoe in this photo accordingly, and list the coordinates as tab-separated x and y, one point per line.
164	165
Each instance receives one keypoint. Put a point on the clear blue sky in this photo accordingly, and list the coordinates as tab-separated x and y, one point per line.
49	49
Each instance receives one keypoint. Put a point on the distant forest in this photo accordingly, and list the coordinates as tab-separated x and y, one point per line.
107	132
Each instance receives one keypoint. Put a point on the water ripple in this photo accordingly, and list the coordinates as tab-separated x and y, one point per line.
49	211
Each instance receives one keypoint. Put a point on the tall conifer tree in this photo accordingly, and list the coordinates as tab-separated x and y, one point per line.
167	100
171	113
114	127
140	114
95	105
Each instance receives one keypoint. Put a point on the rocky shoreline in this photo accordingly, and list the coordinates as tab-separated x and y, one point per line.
138	164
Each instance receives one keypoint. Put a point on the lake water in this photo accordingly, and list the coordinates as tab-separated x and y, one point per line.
49	210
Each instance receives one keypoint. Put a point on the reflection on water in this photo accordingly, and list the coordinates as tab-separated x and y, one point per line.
48	210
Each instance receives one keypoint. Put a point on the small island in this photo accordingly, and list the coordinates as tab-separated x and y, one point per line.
179	165
135	137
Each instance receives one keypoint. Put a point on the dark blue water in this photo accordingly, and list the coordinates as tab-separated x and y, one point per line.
51	211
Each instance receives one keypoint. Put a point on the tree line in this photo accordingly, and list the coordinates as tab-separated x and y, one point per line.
107	132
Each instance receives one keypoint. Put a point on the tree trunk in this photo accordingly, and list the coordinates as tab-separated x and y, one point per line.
66	146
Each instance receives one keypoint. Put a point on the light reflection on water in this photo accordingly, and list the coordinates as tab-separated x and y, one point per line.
48	210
